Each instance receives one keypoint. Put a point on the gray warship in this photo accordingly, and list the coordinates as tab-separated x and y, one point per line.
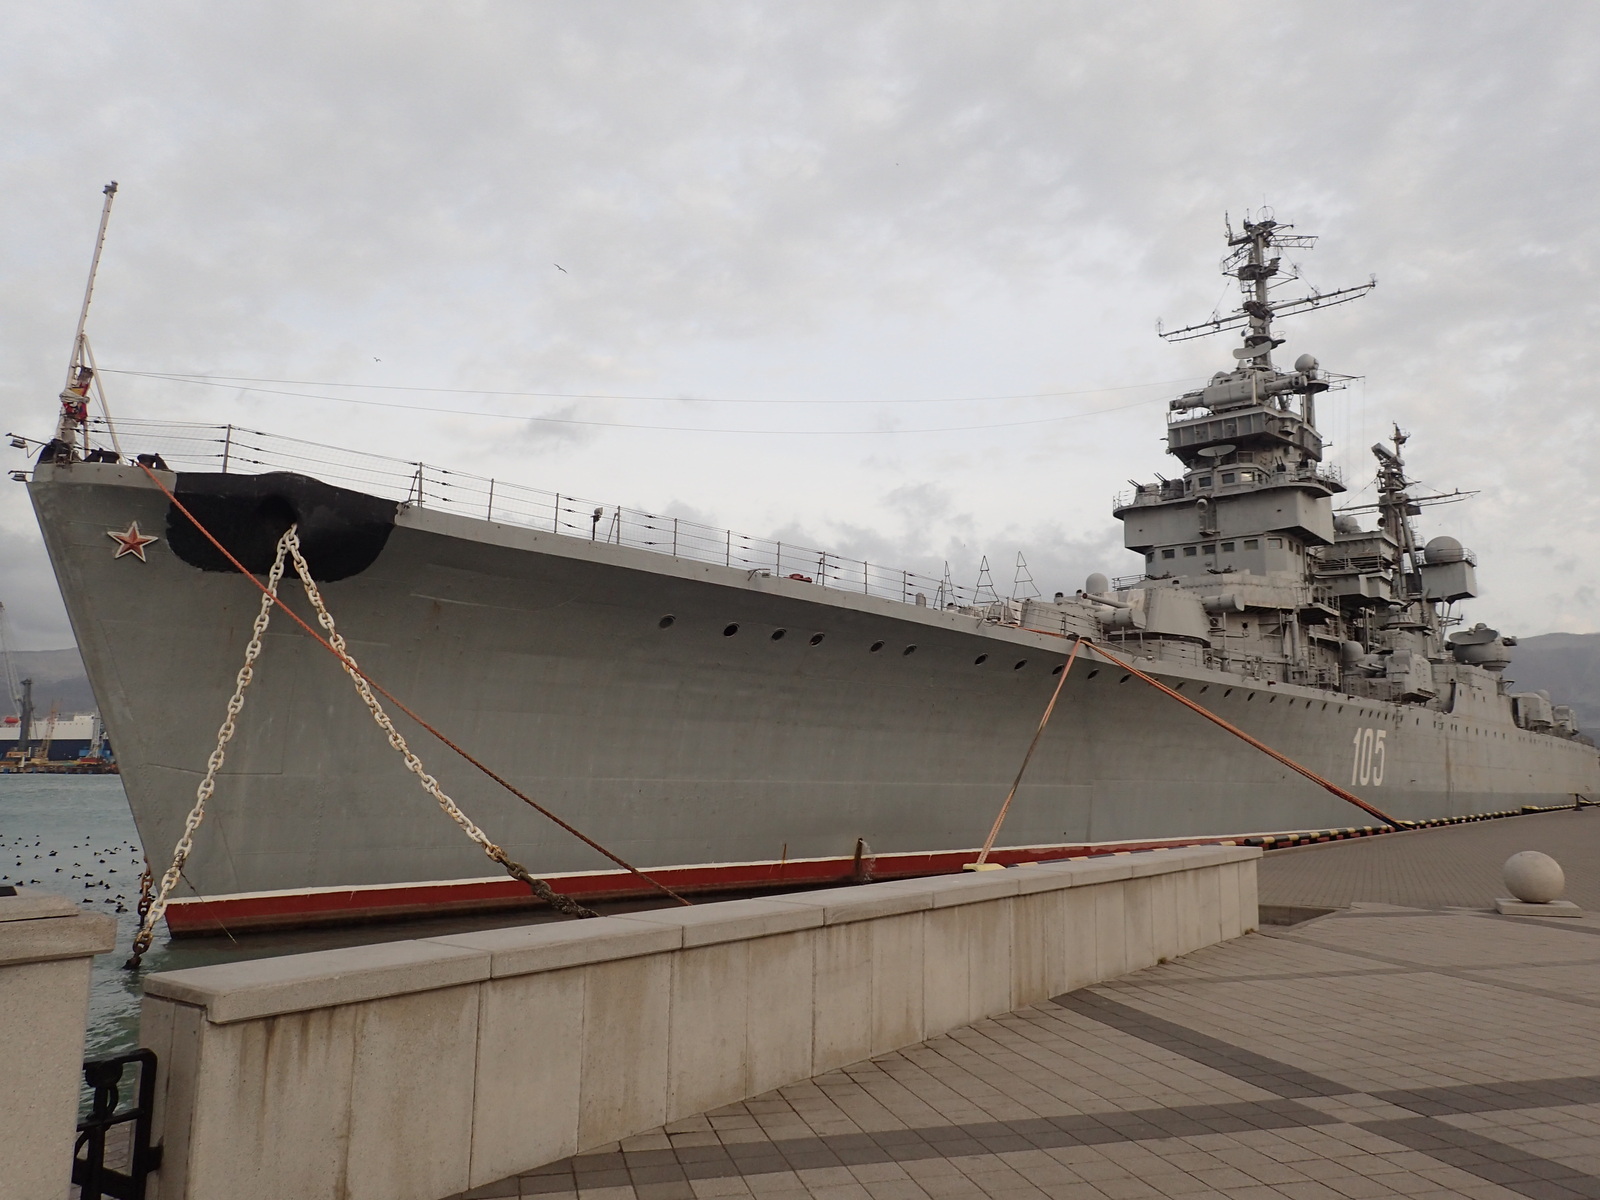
729	712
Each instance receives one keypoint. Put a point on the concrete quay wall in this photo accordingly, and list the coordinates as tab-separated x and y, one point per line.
417	1069
46	946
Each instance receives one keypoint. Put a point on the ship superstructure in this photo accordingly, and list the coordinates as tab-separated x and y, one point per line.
733	712
1250	568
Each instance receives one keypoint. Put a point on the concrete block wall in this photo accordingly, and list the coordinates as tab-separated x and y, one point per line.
46	946
414	1070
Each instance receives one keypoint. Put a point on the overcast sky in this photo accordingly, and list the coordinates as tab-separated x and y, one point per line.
855	233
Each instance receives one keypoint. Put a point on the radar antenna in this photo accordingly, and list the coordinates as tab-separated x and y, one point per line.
1255	259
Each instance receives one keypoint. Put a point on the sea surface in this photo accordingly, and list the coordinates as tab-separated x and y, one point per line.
73	835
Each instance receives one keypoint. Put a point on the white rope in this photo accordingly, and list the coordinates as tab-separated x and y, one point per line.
413	763
208	784
429	784
289	548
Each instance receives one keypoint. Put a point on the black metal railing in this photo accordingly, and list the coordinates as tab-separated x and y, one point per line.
89	1170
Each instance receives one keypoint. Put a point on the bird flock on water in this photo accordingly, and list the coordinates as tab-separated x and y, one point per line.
109	873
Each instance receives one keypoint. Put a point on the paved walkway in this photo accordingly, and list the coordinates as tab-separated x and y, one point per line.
1381	1051
1435	868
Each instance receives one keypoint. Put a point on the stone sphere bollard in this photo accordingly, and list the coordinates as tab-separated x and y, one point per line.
1534	878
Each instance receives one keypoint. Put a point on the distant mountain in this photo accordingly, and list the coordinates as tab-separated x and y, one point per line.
58	679
1567	665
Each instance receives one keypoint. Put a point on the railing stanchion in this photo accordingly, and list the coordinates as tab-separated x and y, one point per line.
246	451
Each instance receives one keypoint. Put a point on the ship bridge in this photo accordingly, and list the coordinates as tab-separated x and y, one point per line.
1254	496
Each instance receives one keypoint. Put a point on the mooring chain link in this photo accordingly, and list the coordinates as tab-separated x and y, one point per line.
563	904
151	909
147	896
208	784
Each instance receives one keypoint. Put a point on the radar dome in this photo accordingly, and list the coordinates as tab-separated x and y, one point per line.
1097	584
1346	523
1444	549
1306	364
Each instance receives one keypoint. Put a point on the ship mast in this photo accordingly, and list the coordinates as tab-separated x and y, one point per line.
1395	510
1255	259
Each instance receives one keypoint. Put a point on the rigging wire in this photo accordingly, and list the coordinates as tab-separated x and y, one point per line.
273	600
458	412
202	377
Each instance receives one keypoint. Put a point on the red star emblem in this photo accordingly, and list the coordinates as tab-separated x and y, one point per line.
131	541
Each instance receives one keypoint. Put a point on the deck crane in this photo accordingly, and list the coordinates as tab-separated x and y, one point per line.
43	755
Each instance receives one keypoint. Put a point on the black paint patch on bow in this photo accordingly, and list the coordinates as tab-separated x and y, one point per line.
341	532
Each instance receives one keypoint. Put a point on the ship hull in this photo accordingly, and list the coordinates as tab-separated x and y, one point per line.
709	739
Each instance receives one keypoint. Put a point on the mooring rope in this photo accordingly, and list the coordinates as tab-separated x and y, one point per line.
564	904
152	908
401	705
1000	817
1338	791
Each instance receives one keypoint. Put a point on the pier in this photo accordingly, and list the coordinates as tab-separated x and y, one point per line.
1382	1033
1410	1044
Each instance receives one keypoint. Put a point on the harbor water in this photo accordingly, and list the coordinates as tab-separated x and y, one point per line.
73	835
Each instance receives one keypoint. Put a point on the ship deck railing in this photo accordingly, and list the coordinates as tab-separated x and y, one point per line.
1326	474
234	449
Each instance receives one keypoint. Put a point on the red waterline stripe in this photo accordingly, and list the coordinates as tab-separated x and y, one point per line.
265	910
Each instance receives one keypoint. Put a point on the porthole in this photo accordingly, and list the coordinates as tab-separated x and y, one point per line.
875	647
777	634
1227	693
1059	669
980	660
1272	699
730	630
1094	672
1250	696
1204	688
666	622
912	649
1019	664
1178	687
816	638
1125	678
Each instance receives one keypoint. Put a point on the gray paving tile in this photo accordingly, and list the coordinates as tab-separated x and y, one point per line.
1383	1051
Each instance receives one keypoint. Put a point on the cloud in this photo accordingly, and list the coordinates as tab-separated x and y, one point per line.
34	616
815	204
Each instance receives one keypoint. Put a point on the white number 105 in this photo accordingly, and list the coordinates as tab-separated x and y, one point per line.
1368	765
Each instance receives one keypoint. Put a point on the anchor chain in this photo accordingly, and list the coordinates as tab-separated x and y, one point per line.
151	908
152	913
563	904
147	896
